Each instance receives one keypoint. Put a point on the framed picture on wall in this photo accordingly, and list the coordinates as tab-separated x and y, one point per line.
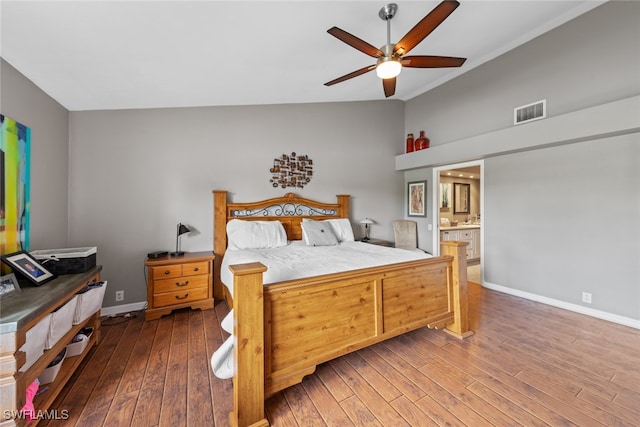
461	198
417	197
445	195
28	267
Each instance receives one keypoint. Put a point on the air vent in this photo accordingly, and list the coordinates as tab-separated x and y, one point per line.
528	113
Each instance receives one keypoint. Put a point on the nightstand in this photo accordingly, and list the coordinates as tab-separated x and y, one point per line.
379	242
177	282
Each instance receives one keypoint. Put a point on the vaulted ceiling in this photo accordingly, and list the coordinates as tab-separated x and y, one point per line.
91	55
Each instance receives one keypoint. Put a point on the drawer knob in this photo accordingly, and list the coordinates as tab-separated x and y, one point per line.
185	295
167	272
182	284
195	269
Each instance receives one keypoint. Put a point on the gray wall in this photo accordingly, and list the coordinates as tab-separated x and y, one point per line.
135	174
49	122
557	221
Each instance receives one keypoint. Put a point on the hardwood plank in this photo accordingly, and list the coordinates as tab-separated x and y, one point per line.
94	412
334	383
408	388
80	386
121	409
137	365
199	405
330	409
379	407
302	406
385	388
631	416
149	405
411	413
505	405
173	411
359	412
221	390
279	412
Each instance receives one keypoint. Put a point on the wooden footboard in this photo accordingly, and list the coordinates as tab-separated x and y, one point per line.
284	330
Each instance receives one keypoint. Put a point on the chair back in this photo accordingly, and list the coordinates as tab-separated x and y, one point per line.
405	233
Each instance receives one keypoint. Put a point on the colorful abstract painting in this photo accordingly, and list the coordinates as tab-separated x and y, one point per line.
15	161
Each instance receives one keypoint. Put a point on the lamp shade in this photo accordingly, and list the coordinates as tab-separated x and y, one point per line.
366	221
388	68
183	229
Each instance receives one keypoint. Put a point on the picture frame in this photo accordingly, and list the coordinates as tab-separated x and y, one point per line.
461	198
417	199
445	195
27	266
9	285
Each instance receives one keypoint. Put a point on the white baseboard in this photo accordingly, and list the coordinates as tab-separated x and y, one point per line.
125	308
626	321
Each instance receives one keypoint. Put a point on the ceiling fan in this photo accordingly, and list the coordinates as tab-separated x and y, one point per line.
391	58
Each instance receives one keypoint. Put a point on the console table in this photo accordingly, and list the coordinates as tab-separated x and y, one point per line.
18	314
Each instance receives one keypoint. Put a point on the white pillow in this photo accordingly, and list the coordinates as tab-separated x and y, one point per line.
318	233
255	234
341	228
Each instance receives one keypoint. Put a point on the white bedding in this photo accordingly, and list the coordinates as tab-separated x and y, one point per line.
297	260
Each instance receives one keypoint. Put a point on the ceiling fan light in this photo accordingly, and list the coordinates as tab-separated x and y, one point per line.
388	68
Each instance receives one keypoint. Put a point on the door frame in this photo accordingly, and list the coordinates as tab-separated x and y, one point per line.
436	204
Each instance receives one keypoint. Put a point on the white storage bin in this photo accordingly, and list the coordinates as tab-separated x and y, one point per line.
76	348
36	338
89	302
61	322
49	375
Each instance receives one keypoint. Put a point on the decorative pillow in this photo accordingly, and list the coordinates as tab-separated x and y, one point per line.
318	233
341	228
255	234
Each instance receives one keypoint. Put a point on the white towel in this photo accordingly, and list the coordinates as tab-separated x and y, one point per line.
227	322
222	361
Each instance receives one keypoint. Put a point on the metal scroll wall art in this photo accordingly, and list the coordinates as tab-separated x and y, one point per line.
291	171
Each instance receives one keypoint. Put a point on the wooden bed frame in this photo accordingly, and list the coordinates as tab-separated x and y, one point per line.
284	330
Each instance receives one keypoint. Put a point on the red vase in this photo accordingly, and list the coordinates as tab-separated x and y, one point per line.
410	146
421	142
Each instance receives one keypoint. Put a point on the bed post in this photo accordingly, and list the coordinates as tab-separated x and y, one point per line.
460	326
219	238
248	381
343	201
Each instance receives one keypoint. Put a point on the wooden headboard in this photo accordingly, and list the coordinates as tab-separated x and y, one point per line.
289	210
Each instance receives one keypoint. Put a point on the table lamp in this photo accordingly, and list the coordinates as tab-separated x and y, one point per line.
367	222
182	229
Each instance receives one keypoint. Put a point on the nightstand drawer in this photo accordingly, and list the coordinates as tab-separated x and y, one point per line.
195	268
184	283
180	297
166	271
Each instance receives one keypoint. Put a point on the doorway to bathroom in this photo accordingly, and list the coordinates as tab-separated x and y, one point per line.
459	211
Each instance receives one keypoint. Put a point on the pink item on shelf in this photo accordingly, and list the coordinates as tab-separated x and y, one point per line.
28	409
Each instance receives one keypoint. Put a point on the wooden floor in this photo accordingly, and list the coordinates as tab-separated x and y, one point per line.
528	364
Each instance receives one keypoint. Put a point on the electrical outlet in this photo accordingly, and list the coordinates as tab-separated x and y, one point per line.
586	297
119	296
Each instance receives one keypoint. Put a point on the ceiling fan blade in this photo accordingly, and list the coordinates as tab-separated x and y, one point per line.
355	42
351	75
425	61
423	28
389	86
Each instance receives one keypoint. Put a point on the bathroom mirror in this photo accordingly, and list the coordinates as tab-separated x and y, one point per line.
461	198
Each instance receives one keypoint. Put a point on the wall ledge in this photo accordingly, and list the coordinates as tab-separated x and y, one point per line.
605	120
